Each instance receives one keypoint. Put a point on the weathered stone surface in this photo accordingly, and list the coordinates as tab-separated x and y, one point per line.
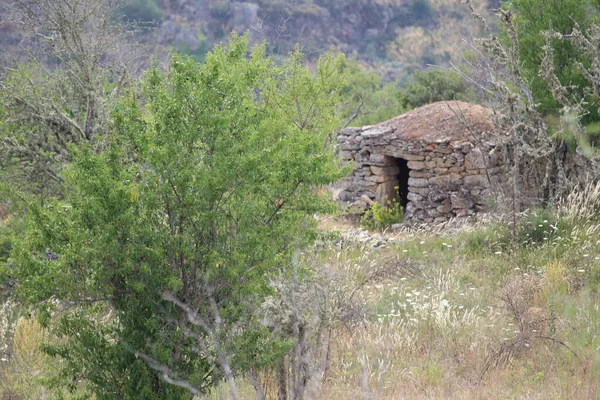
367	200
475	180
437	195
381	178
444	208
378	158
434	213
347	155
494	171
420	174
439	166
421	191
445	180
386	191
416	165
346	196
385	170
475	159
350	144
418	182
461	202
414	197
462	213
375	132
413	157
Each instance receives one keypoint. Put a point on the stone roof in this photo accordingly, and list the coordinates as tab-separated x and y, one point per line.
444	121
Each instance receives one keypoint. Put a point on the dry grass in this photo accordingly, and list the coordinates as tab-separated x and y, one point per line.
459	313
473	318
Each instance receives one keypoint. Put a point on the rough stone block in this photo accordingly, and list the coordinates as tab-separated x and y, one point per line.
346	196
419	174
475	160
410	208
475	180
382	178
438	195
386	191
378	158
414	197
445	180
385	170
444	208
350	144
416	165
413	157
367	199
494	171
421	191
418	182
433	213
461	202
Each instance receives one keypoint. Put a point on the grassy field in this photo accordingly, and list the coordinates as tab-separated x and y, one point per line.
472	312
476	312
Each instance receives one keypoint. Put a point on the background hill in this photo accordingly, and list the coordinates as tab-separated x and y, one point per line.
394	37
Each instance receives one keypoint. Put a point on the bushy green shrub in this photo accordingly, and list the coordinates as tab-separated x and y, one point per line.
433	85
382	217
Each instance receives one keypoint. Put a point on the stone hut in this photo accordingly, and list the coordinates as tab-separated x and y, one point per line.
440	161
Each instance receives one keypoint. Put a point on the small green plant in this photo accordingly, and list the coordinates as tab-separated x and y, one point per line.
382	217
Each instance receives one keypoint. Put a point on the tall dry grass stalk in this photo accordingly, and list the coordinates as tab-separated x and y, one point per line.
581	205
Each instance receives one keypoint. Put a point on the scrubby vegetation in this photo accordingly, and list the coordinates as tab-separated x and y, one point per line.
159	229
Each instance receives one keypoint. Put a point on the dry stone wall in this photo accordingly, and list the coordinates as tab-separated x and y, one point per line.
446	178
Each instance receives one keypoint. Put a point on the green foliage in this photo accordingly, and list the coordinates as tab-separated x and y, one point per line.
198	52
490	240
382	217
141	10
532	18
369	100
433	85
206	188
421	10
538	227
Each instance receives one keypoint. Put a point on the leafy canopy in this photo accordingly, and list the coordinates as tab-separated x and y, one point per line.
205	190
534	17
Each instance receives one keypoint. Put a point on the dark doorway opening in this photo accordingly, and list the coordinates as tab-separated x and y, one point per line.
403	176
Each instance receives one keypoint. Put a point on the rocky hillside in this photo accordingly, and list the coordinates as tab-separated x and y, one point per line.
395	37
398	35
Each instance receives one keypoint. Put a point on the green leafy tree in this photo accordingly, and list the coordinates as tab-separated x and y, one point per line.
368	100
433	85
534	17
164	244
